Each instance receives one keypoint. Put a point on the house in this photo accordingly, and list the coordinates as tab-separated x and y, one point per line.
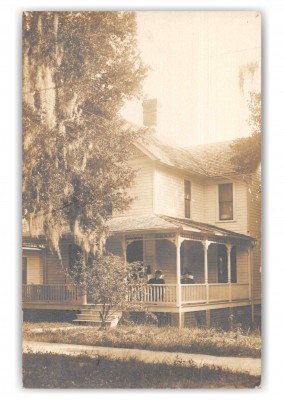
192	212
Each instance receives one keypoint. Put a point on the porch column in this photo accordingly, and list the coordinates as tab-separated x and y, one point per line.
229	248
249	251
251	282
206	245
84	298
178	243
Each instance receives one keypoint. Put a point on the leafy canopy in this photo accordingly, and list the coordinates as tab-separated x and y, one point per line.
109	281
247	151
78	70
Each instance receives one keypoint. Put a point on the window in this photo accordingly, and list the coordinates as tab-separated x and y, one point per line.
225	201
187	198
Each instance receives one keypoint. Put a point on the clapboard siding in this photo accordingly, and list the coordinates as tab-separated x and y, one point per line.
256	261
166	260
254	228
197	201
211	207
54	269
242	265
169	194
142	190
169	197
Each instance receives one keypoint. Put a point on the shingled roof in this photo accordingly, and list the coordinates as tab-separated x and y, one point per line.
161	223
209	160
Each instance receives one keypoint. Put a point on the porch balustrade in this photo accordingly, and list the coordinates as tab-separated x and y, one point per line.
219	292
193	293
240	291
51	293
155	294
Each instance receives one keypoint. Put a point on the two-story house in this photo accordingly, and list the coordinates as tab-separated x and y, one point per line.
192	212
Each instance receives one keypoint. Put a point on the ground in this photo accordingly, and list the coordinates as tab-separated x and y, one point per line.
138	357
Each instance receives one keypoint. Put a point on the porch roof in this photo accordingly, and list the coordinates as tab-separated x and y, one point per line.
163	223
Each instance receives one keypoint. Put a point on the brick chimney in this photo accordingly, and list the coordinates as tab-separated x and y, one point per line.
150	112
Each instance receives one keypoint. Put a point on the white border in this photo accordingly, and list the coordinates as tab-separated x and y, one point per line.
273	67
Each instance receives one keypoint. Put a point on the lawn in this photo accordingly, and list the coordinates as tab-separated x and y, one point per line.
61	371
187	340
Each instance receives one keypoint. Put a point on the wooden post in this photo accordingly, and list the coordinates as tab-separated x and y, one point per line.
84	299
251	283
229	248
178	243
206	245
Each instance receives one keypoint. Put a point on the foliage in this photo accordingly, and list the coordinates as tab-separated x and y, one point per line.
78	70
187	340
61	371
247	151
109	281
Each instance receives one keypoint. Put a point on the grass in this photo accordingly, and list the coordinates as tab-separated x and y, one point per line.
61	371
187	340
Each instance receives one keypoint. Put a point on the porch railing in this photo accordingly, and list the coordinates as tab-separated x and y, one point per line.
51	293
240	291
190	294
195	293
219	292
153	294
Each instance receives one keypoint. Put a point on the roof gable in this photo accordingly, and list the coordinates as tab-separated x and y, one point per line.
208	161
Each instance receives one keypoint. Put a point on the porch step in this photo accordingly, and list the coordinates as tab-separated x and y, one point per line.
90	315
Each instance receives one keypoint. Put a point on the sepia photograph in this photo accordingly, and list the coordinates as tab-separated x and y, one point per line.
141	199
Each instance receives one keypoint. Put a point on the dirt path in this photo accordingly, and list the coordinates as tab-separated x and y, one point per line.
240	364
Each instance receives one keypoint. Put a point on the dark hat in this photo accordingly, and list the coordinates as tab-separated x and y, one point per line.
158	272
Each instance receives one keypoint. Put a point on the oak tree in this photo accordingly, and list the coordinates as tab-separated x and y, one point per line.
247	151
78	70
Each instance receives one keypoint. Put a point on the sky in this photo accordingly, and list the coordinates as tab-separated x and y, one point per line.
203	66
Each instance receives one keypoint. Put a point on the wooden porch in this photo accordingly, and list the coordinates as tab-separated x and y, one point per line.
174	295
180	295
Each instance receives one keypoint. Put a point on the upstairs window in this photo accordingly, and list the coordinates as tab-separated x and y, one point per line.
225	201
187	198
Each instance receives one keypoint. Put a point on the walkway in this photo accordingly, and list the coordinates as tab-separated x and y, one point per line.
240	364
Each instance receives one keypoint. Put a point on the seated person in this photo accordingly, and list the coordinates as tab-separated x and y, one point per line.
157	293
158	280
187	278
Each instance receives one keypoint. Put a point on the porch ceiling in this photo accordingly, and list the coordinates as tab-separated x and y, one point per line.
163	223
